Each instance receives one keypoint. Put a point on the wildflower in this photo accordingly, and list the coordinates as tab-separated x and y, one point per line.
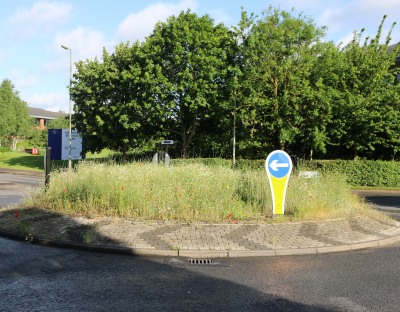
229	217
122	188
16	213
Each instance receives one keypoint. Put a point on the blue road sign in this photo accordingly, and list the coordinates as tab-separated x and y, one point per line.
279	164
58	140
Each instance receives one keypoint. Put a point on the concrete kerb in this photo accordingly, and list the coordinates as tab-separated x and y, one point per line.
192	253
392	236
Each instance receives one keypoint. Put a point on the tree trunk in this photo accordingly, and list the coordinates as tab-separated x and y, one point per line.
14	143
124	155
187	136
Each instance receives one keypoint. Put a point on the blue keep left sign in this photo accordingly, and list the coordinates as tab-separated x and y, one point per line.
279	164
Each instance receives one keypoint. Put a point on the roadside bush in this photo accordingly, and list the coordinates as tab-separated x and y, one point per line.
373	173
241	164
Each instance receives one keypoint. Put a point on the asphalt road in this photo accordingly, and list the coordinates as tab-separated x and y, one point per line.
14	186
385	201
38	278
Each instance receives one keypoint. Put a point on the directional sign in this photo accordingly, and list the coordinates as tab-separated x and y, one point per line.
167	142
278	166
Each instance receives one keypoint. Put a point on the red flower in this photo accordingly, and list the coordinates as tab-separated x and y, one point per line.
16	213
122	188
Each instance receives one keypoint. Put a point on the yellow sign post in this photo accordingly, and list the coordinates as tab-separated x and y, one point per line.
278	166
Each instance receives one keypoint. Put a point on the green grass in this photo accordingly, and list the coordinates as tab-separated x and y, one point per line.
374	188
104	154
190	193
28	162
21	161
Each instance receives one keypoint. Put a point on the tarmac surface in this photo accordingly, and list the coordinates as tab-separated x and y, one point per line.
196	240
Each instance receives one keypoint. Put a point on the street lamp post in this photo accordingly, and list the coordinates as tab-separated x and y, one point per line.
70	108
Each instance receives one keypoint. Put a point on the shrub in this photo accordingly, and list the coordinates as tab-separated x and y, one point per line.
374	173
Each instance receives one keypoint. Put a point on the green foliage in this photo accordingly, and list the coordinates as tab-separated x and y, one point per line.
271	82
110	104
190	58
280	102
36	138
14	119
39	137
366	101
241	164
60	123
373	173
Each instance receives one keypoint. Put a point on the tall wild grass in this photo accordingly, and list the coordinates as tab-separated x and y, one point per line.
189	193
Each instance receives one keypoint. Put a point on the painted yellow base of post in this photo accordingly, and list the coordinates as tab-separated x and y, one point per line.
278	191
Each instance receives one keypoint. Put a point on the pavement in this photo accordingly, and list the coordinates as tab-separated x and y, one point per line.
197	240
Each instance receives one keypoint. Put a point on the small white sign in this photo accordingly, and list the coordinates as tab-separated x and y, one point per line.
308	174
167	142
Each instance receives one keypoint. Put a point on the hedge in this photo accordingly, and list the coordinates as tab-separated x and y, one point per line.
374	173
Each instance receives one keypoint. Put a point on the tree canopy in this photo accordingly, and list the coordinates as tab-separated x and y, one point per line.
270	82
14	119
110	109
366	111
281	98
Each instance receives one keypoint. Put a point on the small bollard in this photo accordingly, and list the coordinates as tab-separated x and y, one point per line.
47	166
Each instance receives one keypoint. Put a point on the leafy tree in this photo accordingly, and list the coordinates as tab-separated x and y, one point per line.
59	123
39	137
367	109
268	83
240	34
190	58
109	100
14	120
88	96
316	112
281	99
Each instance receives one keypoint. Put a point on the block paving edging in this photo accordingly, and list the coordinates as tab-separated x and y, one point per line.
198	240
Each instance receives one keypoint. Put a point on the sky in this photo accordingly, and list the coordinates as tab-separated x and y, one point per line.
32	32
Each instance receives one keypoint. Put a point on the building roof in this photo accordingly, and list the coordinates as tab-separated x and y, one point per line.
45	114
390	49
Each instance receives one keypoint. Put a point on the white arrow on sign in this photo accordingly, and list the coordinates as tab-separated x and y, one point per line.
274	165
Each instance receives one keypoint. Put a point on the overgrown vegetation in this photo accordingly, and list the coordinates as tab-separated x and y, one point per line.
189	193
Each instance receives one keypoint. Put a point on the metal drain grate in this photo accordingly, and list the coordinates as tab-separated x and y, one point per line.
200	261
